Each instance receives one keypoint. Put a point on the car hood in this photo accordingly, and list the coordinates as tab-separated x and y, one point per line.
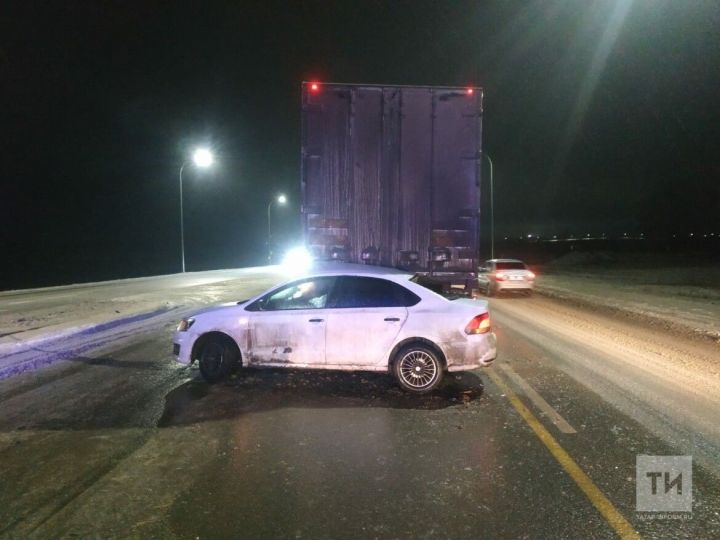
218	308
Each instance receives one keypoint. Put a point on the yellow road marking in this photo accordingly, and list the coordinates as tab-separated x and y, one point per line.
611	514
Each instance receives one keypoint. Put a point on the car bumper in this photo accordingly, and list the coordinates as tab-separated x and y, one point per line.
477	352
182	343
510	285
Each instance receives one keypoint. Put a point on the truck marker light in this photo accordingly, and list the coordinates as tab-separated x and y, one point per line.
470	91
314	87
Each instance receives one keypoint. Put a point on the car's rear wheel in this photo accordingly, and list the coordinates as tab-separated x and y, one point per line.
218	358
418	368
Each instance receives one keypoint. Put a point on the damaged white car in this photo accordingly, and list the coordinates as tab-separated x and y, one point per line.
343	317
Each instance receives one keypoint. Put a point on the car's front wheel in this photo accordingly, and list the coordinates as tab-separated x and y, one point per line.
418	368
218	357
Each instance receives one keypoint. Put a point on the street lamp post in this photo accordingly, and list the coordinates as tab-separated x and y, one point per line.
280	199
202	158
492	208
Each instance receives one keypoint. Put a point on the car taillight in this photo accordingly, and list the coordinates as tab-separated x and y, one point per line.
500	276
479	324
530	275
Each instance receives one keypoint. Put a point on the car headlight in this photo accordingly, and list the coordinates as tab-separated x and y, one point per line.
185	324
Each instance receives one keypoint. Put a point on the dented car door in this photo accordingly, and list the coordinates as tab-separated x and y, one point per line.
288	326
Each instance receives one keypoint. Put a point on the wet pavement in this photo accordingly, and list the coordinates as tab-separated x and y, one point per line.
127	444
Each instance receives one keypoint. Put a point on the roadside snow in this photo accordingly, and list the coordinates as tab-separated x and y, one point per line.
28	318
680	292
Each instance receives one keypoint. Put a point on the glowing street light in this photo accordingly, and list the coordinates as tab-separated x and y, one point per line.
280	200
202	158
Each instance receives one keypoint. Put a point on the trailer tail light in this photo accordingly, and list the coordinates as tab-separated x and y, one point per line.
314	87
479	325
470	91
500	276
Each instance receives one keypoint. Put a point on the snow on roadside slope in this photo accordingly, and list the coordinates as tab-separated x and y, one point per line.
685	296
681	292
22	312
39	327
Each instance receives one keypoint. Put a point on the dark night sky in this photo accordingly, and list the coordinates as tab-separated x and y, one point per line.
600	117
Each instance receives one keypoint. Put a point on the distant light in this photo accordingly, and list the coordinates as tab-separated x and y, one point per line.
282	199
470	91
529	235
203	158
314	87
297	261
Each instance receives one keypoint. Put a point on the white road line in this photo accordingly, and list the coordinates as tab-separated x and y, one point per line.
538	400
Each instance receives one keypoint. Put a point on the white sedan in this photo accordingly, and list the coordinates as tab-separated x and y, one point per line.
343	317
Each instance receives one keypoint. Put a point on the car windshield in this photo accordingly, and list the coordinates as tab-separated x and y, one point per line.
510	265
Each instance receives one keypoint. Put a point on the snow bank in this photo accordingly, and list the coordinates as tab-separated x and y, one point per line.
680	292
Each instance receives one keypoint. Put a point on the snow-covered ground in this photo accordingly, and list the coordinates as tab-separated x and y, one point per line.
679	292
24	312
40	326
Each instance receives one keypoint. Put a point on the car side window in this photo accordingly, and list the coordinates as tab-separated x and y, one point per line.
307	294
365	292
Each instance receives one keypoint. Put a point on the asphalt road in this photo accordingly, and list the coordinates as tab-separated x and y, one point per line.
124	443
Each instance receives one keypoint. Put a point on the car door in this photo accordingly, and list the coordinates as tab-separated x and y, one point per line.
366	315
287	326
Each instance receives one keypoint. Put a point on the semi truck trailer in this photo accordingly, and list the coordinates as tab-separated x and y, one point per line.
391	177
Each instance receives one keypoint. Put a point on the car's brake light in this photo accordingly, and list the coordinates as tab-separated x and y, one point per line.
500	276
479	324
530	275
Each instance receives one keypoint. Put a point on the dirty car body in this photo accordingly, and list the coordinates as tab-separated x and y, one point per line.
343	317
